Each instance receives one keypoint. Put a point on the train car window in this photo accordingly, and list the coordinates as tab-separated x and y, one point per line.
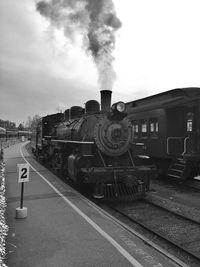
189	125
154	128
190	116
144	128
151	127
135	129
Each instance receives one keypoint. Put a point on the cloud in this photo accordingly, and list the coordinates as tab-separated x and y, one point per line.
36	74
95	21
157	49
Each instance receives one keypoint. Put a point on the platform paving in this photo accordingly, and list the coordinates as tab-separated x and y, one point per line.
62	228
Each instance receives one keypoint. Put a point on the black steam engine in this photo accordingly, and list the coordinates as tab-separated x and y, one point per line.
93	147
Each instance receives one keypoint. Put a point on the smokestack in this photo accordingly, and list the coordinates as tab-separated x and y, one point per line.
105	100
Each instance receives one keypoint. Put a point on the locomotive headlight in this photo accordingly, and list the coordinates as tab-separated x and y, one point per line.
120	107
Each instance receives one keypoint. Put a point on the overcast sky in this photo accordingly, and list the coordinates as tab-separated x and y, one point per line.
157	49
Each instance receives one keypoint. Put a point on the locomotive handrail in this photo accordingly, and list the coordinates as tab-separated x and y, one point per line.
73	142
185	145
173	137
101	157
131	158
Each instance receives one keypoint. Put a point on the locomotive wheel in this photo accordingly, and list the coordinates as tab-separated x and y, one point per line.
99	189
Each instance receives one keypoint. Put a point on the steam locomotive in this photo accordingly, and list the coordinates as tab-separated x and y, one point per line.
167	130
93	147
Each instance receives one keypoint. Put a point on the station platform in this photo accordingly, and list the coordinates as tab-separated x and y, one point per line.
62	228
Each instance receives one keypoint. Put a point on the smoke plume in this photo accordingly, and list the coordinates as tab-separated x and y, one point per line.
96	21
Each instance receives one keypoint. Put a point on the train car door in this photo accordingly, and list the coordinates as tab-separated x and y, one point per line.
175	131
190	145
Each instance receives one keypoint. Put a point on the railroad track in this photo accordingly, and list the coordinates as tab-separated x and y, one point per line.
182	232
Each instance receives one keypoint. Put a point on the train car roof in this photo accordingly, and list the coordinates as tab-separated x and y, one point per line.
168	98
2	130
24	131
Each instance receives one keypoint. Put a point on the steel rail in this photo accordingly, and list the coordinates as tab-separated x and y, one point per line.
156	231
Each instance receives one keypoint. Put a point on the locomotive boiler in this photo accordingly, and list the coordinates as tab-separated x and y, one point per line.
93	146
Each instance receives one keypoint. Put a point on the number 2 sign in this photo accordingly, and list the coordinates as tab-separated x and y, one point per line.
23	172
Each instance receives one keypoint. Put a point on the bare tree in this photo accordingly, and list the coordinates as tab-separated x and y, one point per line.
32	122
21	127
